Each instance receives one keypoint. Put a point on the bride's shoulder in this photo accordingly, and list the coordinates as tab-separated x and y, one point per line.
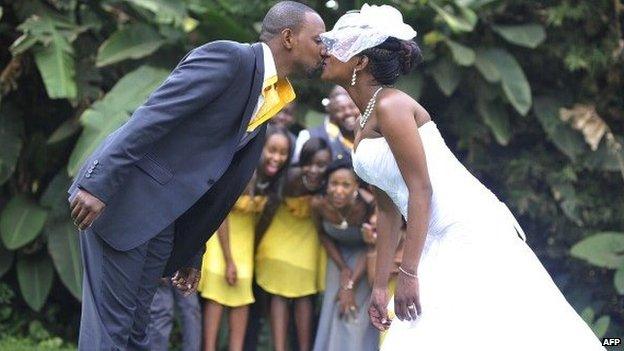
400	105
395	104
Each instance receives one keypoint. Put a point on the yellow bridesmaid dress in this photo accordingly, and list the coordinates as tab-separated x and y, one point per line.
241	222
290	260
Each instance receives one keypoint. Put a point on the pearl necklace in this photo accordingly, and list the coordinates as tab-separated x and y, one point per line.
369	108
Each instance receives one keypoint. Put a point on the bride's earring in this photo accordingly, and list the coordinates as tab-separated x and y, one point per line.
353	77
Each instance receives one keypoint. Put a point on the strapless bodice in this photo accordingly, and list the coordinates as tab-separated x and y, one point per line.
457	195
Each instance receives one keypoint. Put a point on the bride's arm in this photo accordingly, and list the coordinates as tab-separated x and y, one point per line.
388	225
395	119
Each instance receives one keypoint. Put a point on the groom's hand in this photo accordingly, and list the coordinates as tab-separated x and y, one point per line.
186	280
85	208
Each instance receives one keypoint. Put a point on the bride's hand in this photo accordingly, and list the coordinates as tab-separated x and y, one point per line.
378	310
406	298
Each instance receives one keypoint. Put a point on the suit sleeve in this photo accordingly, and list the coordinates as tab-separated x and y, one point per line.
199	79
196	261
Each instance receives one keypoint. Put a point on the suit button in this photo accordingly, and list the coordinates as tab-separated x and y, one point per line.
88	175
96	162
211	181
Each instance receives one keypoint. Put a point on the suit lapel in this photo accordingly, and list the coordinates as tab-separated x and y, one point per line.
256	87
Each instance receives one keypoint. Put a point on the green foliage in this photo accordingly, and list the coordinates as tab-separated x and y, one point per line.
495	78
11	126
108	114
527	35
134	41
20	222
6	259
28	344
600	325
35	275
602	249
64	247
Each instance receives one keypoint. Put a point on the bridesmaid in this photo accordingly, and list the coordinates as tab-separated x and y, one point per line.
290	256
227	267
339	216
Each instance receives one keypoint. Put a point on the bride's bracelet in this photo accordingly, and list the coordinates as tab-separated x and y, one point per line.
411	275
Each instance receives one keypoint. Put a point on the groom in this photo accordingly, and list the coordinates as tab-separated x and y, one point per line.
147	200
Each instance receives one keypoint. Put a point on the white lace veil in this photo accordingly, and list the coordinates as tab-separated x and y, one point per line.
357	31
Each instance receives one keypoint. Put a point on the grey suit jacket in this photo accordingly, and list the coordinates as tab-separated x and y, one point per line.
161	166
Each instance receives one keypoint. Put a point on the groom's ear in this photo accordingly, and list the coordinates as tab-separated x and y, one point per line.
288	38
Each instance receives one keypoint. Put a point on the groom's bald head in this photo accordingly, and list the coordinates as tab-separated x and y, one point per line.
283	15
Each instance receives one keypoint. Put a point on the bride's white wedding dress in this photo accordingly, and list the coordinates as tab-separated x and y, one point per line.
481	286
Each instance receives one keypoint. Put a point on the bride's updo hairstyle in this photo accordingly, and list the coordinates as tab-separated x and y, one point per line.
391	59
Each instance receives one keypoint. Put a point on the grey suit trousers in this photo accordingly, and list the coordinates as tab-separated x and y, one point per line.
166	300
118	289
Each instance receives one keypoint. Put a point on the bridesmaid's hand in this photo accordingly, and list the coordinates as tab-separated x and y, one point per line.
406	298
347	308
230	273
369	234
378	309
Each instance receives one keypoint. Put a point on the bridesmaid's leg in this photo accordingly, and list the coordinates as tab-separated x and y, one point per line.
303	321
279	322
238	325
212	320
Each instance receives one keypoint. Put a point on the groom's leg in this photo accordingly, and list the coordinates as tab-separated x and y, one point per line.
110	285
158	252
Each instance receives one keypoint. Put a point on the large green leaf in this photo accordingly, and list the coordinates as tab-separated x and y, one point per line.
35	275
6	259
464	22
498	63
566	139
601	326
64	247
497	119
219	25
527	35
447	75
475	4
110	113
11	126
53	53
618	281
64	131
55	197
462	54
588	315
602	249
56	64
21	221
164	11
132	42
484	61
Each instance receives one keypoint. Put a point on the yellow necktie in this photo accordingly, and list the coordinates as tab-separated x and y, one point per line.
277	93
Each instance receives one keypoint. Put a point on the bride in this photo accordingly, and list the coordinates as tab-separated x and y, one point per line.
467	280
